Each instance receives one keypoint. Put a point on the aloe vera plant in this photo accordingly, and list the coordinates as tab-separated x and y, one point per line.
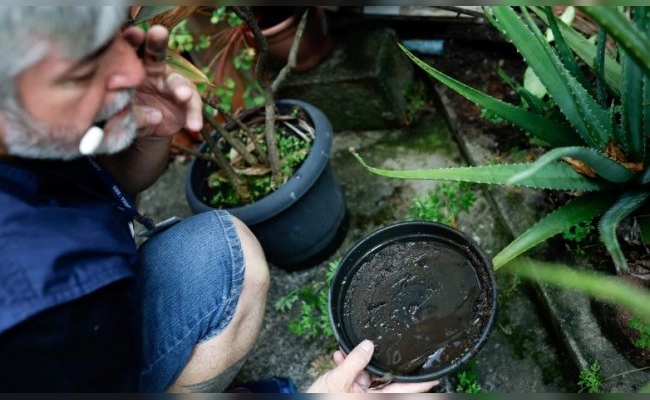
596	131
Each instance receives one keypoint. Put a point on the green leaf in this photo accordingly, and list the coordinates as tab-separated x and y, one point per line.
533	85
582	209
558	176
604	166
564	51
643	222
595	285
632	138
553	133
531	98
634	41
599	68
629	202
587	52
582	111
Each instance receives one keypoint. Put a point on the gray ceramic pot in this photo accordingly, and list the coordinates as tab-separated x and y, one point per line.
304	221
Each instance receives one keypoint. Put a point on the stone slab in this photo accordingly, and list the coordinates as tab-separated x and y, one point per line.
361	85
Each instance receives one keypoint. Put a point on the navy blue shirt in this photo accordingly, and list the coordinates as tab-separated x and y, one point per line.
60	236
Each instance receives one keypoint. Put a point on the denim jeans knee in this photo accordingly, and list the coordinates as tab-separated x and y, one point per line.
189	281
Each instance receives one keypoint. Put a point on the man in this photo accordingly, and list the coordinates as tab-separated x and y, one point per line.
85	125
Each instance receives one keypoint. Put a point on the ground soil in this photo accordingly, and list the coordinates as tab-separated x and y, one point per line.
475	63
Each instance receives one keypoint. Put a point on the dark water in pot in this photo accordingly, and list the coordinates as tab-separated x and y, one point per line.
419	302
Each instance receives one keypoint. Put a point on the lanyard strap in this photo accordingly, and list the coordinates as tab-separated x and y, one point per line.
120	201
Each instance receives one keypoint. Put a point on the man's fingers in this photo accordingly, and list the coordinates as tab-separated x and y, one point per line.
146	117
338	357
420	387
134	35
358	359
155	48
185	92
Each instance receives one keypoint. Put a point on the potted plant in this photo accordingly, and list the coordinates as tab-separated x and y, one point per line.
269	166
423	292
594	123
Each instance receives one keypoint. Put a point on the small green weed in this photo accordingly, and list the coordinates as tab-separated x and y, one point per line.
644	330
417	101
443	203
579	232
589	379
313	317
510	287
467	379
182	40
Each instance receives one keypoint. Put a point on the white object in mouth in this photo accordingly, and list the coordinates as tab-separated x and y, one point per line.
91	140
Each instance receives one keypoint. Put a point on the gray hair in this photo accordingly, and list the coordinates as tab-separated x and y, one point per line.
27	33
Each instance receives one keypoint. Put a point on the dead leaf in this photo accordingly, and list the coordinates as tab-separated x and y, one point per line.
580	167
615	153
254	171
186	68
165	15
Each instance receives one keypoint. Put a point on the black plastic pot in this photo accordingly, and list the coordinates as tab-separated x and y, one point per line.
303	222
423	292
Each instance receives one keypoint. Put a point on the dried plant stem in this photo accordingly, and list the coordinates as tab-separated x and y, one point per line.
194	152
273	154
237	182
269	135
293	53
261	155
232	140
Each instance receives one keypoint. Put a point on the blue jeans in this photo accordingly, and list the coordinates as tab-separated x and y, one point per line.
189	278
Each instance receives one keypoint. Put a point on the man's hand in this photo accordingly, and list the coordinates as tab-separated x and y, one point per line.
166	101
349	375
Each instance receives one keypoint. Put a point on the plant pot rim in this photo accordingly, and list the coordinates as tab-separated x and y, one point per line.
296	186
403	231
279	27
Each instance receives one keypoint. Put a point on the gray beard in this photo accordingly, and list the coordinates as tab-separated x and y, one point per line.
27	138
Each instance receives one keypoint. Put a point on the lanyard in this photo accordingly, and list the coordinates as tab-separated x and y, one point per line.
120	201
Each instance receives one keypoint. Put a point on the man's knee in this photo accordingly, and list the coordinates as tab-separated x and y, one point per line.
257	276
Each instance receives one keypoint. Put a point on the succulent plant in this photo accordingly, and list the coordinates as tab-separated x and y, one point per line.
595	124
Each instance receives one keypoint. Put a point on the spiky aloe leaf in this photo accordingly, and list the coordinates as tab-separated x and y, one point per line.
635	42
595	285
628	202
599	68
582	209
643	221
535	104
604	166
587	52
632	137
557	176
646	114
580	109
563	49
553	133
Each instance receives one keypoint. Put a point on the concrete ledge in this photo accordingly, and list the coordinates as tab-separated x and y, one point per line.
360	85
